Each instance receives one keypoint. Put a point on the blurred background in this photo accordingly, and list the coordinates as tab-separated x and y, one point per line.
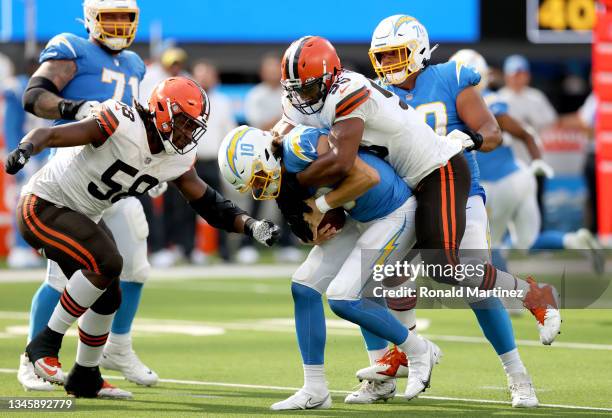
233	50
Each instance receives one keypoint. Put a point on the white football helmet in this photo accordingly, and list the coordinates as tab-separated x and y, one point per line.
408	38
110	33
247	161
471	58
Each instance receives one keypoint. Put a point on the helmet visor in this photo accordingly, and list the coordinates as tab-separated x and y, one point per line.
117	23
388	61
187	131
307	97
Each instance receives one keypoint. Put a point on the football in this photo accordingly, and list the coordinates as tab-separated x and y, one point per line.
335	217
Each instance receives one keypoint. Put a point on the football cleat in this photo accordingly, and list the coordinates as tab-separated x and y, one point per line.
392	365
50	370
128	363
303	400
541	300
28	379
421	367
522	391
87	382
370	392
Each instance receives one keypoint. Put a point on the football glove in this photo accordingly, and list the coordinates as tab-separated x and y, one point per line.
76	109
476	140
542	168
263	231
18	158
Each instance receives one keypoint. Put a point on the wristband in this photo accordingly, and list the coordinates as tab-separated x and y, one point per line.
322	204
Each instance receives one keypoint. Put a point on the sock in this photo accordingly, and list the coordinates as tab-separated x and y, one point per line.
93	332
79	295
507	281
130	299
549	240
309	324
119	342
495	324
407	318
414	345
371	315
375	345
512	362
314	379
43	303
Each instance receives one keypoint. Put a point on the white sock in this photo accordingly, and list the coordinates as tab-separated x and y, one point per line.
93	332
314	379
374	355
119	342
507	281
414	345
407	318
78	295
512	362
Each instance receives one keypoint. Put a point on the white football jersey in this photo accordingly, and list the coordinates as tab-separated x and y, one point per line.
392	128
89	179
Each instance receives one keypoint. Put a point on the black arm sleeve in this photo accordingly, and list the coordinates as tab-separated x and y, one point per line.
217	210
37	86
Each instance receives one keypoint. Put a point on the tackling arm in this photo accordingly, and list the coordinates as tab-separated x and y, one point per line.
474	112
333	166
42	93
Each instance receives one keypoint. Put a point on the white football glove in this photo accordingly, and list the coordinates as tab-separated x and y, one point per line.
465	139
85	109
158	190
264	231
542	168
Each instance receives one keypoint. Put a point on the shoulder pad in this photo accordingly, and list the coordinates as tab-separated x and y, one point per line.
64	46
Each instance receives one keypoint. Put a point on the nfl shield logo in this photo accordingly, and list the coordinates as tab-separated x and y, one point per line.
147	160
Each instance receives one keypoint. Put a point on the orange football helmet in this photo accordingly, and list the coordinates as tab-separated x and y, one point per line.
180	108
308	69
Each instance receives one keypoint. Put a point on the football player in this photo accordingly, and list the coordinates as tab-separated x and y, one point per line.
446	97
359	112
380	230
511	187
119	151
74	76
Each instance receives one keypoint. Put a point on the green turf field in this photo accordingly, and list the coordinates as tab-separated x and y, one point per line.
227	347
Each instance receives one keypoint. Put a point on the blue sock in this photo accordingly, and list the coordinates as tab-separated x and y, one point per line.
43	303
371	315
130	299
309	323
549	240
495	323
372	341
498	260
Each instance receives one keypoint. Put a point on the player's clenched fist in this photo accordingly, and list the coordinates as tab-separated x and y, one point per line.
18	158
264	231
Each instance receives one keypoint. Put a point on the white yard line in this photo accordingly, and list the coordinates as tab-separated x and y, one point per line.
340	392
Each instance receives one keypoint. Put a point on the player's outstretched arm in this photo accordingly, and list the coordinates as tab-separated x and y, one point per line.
333	166
70	135
474	112
221	212
42	95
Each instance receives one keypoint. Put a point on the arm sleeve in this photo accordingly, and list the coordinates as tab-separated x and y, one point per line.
107	118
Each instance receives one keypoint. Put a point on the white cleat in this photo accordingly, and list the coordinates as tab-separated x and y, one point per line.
421	367
542	302
371	392
109	391
129	365
50	370
303	400
28	379
522	391
394	364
